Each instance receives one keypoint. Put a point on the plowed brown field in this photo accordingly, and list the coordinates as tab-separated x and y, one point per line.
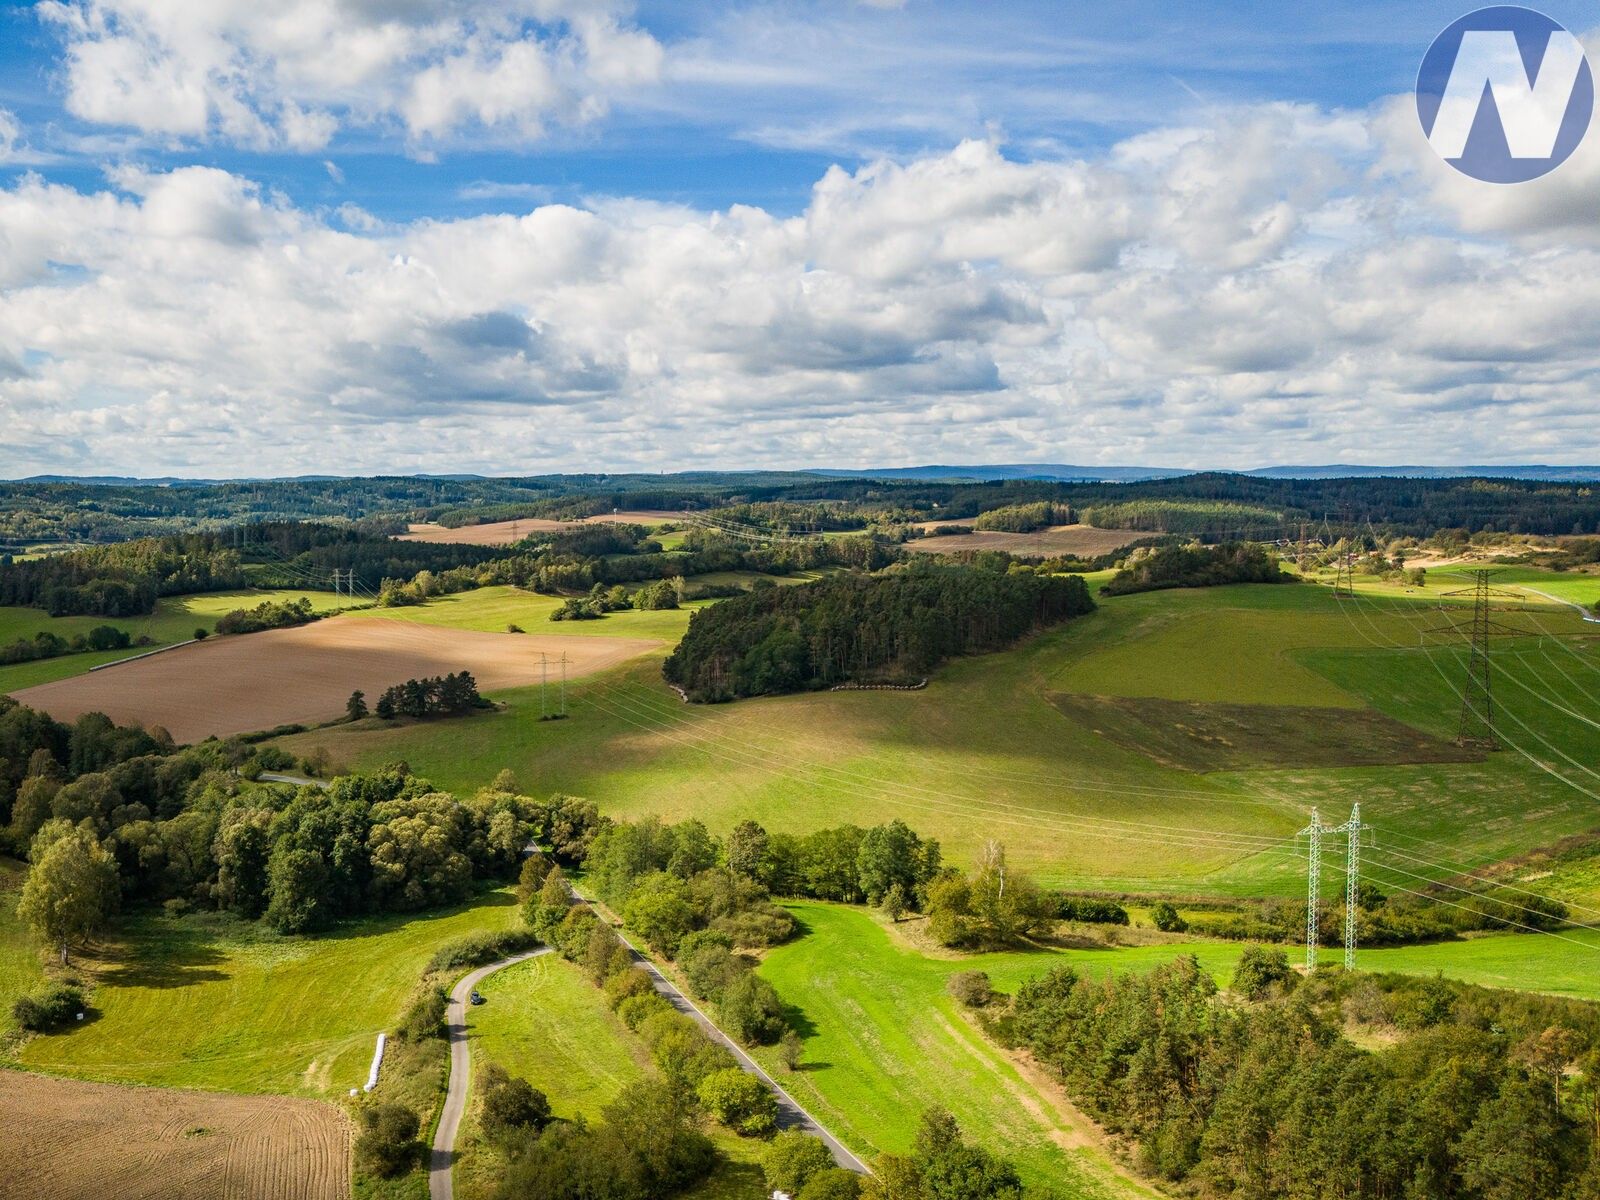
504	533
69	1140
257	681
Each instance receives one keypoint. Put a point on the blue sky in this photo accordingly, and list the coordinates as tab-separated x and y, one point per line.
764	234
817	84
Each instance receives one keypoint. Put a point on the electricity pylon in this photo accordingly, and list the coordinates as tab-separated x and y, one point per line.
1352	878
1314	832
1476	729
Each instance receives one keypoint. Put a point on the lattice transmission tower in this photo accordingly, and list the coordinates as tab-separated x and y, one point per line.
1476	728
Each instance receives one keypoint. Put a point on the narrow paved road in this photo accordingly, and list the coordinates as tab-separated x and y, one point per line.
790	1113
440	1183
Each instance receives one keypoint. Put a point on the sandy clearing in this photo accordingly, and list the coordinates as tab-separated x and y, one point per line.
300	676
1083	540
504	533
69	1139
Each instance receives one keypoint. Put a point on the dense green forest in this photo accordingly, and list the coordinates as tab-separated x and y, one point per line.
1469	1094
187	825
1197	566
893	626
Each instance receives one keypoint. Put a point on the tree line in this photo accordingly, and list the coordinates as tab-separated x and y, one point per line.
888	627
1461	1093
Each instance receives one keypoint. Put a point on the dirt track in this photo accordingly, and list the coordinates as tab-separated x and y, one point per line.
69	1140
504	533
300	676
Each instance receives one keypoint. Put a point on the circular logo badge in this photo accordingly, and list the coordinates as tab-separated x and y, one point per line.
1505	94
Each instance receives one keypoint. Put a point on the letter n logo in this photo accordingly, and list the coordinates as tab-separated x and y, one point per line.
1505	95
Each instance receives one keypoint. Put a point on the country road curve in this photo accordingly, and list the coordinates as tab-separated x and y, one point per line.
441	1161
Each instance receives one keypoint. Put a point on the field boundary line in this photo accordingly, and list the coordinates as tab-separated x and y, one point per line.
146	654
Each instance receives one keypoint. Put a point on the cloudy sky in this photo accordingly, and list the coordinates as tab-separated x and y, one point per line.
355	236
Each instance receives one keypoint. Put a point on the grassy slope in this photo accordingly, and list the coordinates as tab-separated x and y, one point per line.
174	620
981	752
884	1041
208	1001
546	1022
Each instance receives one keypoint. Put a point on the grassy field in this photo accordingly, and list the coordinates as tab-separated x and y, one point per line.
545	1021
986	750
19	962
209	1001
884	1041
175	619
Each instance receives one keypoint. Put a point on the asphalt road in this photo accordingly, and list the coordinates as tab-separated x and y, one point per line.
442	1159
790	1114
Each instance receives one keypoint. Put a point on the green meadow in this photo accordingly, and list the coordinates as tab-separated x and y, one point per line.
985	751
210	1001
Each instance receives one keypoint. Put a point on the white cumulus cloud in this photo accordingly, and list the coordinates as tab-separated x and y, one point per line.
290	75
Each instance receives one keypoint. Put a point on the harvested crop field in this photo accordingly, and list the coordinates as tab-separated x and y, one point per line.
70	1139
505	533
301	676
1083	540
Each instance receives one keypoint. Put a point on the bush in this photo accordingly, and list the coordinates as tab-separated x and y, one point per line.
510	1106
388	1142
636	1010
48	1007
425	1018
834	1184
970	988
476	949
1090	910
740	1101
1166	918
792	1159
1260	969
752	1012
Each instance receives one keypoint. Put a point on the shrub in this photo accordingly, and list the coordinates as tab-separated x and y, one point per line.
1090	910
740	1101
792	1159
709	970
1260	969
636	1010
511	1105
478	948
970	988
752	1012
388	1142
624	984
835	1184
425	1018
1166	918
48	1007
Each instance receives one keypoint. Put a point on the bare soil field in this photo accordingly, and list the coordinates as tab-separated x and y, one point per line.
504	533
1083	540
258	681
67	1139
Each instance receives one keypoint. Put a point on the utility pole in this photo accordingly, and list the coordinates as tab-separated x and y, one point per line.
1314	832
563	683
1302	558
1476	729
1352	878
544	678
